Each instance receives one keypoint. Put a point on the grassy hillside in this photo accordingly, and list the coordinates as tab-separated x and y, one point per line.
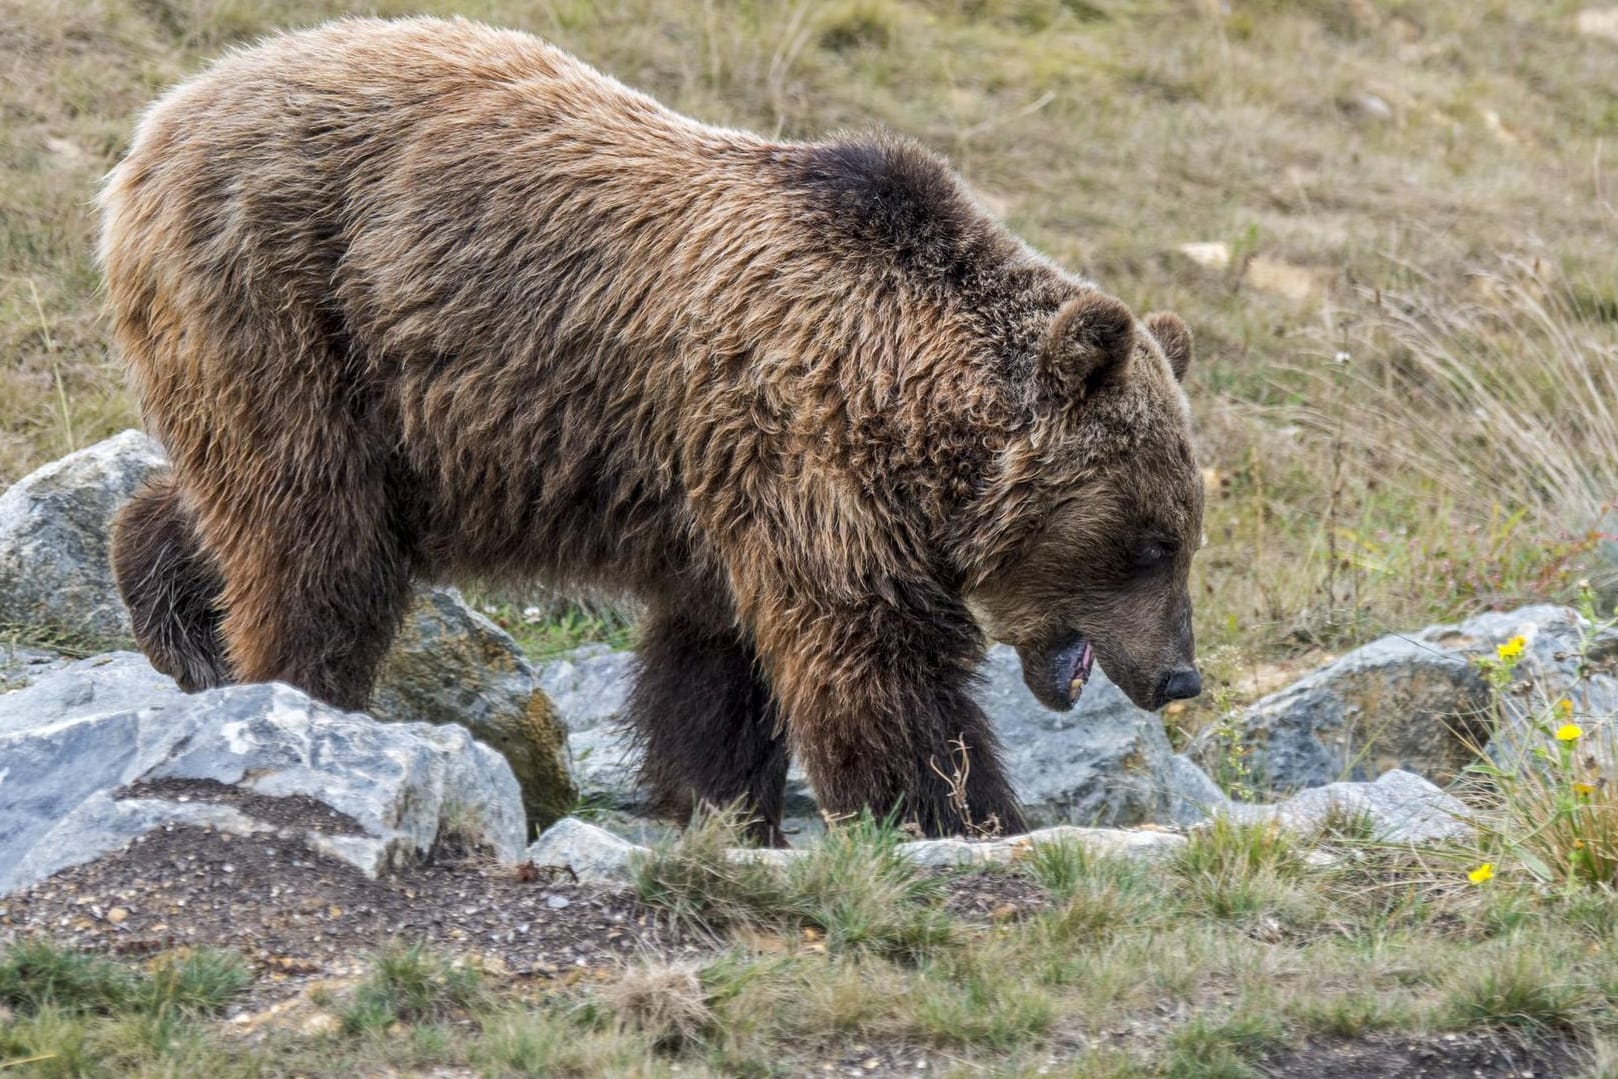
1407	308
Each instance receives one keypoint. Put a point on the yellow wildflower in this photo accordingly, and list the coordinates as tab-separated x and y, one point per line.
1511	649
1569	732
1564	708
1585	789
1481	873
1578	844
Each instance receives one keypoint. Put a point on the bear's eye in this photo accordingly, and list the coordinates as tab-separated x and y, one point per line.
1151	553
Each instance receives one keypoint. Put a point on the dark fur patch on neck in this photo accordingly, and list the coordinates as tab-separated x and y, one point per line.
891	196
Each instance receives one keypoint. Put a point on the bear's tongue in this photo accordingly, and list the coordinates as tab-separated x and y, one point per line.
1080	673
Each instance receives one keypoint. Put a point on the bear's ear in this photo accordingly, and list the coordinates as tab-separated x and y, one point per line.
1175	338
1089	342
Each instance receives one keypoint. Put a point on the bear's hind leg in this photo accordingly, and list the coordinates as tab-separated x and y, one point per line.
707	723
317	578
170	585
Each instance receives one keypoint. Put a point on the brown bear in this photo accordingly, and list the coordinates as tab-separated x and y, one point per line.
422	298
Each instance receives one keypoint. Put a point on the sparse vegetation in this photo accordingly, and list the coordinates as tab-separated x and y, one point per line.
1087	966
1547	790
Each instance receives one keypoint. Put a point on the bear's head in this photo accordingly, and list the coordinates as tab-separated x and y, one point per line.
1100	501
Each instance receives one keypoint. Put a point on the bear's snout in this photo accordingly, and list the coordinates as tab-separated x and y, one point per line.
1180	685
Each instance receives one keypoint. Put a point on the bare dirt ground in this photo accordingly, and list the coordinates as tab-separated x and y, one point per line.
297	913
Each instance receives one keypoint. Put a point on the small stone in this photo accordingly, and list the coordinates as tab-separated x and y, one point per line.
1296	283
588	852
1599	23
557	902
117	915
1210	256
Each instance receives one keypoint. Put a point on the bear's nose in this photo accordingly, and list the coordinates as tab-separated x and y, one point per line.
1182	684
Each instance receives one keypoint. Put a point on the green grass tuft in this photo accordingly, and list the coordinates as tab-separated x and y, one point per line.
411	984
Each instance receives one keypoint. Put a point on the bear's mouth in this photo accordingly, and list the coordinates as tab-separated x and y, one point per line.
1071	667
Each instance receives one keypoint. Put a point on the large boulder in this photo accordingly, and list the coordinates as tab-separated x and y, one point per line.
1105	763
98	752
55	581
1420	703
448	664
1395	703
589	686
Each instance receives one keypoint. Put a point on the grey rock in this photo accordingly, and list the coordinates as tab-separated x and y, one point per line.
1604	571
1127	843
54	575
589	686
1564	657
1105	763
450	664
596	854
1107	842
1395	703
605	763
1195	796
1400	807
20	666
591	853
1419	702
75	735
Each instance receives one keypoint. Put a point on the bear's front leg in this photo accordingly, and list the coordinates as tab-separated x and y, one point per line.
879	710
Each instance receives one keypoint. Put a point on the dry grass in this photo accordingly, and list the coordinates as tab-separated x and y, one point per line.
1362	161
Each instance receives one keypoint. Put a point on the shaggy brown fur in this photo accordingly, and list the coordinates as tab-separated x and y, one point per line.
422	298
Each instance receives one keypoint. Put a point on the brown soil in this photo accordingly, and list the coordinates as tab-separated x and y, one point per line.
1448	1056
297	811
299	913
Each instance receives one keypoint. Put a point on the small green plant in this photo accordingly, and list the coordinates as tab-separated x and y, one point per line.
1235	870
1224	1048
695	879
858	888
855	887
1517	987
37	974
410	984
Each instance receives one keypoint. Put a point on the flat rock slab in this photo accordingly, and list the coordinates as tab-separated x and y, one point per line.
85	751
593	853
1399	807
